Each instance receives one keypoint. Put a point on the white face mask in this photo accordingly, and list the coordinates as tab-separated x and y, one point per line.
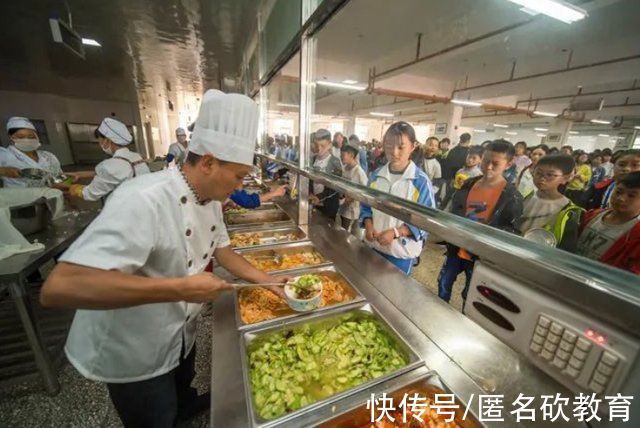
26	144
107	150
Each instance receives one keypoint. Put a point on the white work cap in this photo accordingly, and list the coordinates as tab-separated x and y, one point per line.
226	127
19	123
116	131
180	131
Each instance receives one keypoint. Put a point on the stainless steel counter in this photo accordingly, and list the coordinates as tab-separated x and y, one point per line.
469	360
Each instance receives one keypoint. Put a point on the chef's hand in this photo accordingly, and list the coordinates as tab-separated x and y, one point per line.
313	200
74	177
10	172
202	287
386	237
279	191
279	291
60	186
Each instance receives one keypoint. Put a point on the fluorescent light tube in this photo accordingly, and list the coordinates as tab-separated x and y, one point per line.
603	135
541	135
90	42
602	122
479	130
287	105
511	133
466	103
636	127
341	85
350	82
499	125
377	113
544	113
573	132
556	9
540	129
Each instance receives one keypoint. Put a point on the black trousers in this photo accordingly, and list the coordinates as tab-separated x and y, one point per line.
160	402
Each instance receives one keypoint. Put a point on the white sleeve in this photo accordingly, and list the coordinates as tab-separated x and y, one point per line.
109	174
54	164
222	237
120	238
437	170
362	177
4	157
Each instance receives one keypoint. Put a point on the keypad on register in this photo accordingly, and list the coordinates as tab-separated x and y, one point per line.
567	350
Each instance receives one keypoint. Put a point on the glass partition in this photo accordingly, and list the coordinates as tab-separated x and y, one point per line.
491	71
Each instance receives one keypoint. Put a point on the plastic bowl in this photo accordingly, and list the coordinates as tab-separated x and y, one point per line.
302	305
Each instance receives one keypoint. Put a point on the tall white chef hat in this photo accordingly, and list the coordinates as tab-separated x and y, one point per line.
116	131
17	122
226	127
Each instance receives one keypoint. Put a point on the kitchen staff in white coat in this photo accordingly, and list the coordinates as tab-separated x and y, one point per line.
178	150
113	137
22	153
136	275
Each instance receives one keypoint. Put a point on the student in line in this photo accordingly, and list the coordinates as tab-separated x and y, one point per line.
580	181
606	163
398	242
351	170
525	181
598	173
471	167
488	199
546	208
599	195
612	235
430	163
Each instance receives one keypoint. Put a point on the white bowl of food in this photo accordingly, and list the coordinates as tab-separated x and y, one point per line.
304	293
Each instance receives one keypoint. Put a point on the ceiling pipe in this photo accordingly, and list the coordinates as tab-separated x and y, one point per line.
580	94
550	73
454	47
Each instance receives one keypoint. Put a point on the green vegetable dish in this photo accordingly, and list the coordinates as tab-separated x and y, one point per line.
292	369
307	286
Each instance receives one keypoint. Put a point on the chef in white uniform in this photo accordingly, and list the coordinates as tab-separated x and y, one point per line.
113	137
22	153
178	150
136	275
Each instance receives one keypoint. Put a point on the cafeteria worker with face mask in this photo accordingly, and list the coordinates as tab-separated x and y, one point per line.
23	153
137	274
123	164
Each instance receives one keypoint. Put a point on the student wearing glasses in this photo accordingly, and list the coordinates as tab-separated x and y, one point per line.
398	242
547	208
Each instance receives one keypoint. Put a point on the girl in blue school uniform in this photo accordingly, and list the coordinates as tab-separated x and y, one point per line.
398	242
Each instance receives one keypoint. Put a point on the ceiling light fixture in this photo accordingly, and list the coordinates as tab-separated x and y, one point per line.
499	125
544	113
466	103
540	129
601	122
341	85
380	114
511	133
603	135
556	9
541	135
90	42
350	82
288	105
573	132
479	130
636	127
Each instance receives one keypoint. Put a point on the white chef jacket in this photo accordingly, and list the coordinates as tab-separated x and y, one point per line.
152	226
110	173
179	152
11	157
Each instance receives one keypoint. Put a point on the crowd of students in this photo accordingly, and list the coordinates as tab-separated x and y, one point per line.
588	204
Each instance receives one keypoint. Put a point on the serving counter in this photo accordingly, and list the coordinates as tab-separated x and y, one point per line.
469	360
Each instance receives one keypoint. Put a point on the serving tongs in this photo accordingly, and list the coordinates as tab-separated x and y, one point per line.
277	258
238	285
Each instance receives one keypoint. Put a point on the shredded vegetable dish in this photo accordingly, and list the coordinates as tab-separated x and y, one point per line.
289	261
260	304
249	239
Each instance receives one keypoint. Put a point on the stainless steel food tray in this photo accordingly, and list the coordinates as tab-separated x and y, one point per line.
313	319
292	315
275	216
269	232
356	415
288	248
